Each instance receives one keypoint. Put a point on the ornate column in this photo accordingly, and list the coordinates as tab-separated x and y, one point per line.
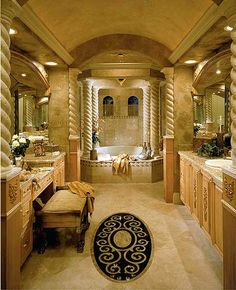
95	107
209	107
74	142
169	74
29	103
87	98
8	9
10	183
168	141
155	117
73	103
146	114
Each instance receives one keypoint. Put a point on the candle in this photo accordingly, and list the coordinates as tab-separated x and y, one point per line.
220	123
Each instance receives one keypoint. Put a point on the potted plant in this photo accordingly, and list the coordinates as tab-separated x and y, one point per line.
95	141
18	147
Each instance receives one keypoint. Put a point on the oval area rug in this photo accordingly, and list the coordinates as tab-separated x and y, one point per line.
122	247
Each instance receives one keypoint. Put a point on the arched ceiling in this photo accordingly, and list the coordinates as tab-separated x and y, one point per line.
156	52
75	22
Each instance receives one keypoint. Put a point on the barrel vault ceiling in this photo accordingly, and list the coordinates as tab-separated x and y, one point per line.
104	31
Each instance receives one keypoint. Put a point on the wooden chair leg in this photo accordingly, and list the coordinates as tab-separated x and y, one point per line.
80	240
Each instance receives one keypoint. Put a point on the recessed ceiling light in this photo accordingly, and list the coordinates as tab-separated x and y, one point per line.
218	71
52	63
190	61
23	75
228	28
12	31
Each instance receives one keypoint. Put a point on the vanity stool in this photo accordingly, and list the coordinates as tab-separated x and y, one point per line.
63	210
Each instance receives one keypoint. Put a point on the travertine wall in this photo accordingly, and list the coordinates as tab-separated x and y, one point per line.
183	115
121	129
58	110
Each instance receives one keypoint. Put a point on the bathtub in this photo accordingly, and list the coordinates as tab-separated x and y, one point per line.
116	150
140	171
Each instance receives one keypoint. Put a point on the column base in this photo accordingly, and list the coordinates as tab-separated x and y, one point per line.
74	159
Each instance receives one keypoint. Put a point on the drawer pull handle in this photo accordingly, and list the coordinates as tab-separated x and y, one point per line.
26	244
26	213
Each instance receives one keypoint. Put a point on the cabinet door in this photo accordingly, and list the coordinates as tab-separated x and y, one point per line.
196	193
206	203
187	181
182	183
217	218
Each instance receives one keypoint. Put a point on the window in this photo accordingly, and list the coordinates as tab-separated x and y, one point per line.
132	106
108	106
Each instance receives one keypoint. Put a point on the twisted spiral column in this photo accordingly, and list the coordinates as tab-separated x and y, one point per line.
95	108
233	98
73	104
29	110
146	114
209	108
155	117
87	96
8	9
169	75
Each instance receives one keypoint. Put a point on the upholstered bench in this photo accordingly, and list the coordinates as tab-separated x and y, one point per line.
64	210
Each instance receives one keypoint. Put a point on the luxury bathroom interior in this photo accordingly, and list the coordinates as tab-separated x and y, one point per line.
118	140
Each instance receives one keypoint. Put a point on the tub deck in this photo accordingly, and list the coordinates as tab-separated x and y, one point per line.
141	171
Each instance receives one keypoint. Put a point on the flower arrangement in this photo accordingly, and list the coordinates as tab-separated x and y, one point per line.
19	145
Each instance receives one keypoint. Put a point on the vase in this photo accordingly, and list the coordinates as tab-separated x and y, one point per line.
93	154
18	161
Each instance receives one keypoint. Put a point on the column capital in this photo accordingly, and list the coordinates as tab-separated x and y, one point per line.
9	8
74	72
168	72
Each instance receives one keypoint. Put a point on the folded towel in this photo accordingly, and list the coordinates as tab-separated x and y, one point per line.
83	190
121	164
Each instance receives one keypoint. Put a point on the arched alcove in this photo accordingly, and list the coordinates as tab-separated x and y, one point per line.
108	106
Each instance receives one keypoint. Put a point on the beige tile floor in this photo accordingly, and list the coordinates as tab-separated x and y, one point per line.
183	257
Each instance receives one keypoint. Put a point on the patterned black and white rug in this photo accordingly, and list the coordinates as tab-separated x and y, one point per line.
122	247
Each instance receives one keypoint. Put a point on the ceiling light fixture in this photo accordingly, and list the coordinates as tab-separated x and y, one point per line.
228	28
218	71
24	75
52	63
12	31
190	61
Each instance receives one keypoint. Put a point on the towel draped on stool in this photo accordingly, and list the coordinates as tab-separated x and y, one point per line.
83	190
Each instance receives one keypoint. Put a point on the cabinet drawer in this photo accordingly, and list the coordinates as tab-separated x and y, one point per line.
26	243
43	184
26	191
26	208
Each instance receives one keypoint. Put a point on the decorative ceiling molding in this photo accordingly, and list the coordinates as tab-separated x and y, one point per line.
203	25
122	65
200	73
17	57
30	19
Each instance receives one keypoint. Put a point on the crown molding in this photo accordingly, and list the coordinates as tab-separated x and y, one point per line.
122	66
202	26
30	19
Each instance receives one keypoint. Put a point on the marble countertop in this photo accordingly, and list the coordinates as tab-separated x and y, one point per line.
217	174
49	157
38	173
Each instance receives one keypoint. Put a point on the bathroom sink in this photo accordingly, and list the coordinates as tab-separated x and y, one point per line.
218	163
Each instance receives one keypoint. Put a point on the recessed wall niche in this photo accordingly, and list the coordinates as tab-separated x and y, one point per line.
125	125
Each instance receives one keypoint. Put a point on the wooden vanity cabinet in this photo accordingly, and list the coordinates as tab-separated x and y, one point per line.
26	220
59	173
229	230
217	218
201	192
207	188
57	162
196	193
